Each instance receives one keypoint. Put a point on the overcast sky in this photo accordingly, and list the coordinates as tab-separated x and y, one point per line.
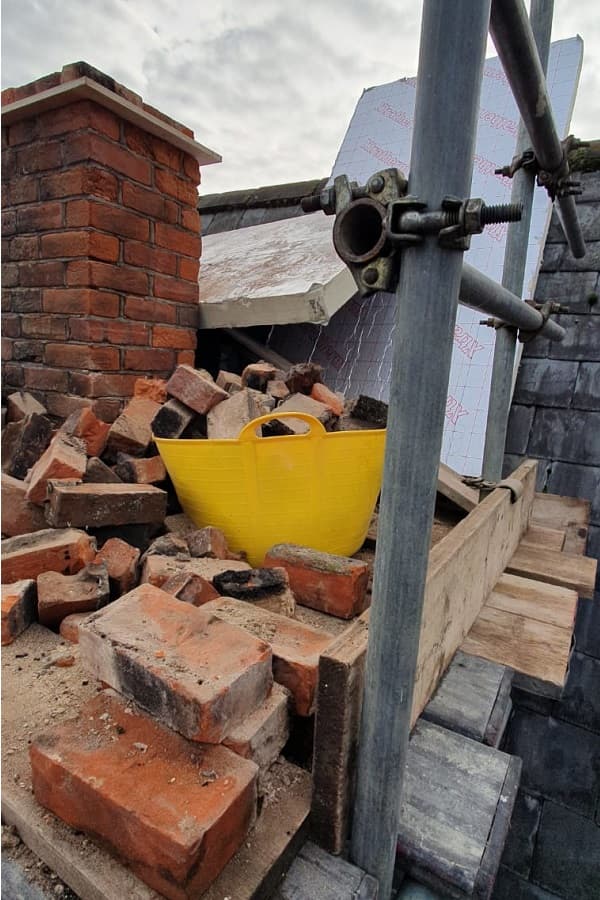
269	84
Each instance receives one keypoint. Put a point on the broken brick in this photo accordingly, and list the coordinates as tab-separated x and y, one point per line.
158	569
60	595
168	545
85	425
201	686
296	647
278	390
193	388
190	588
229	381
23	443
142	470
257	375
97	472
336	585
131	432
121	561
69	627
300	378
208	541
21	404
264	733
367	409
266	588
303	404
64	550
151	389
96	505
65	458
19	516
322	394
180	524
172	419
18	608
174	812
228	418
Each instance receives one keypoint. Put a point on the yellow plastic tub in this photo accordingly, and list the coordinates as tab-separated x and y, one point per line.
318	489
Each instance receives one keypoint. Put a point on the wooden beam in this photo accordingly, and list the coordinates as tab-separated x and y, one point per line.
535	600
550	538
451	486
564	569
568	513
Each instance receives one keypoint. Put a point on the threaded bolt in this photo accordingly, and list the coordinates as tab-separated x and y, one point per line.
501	212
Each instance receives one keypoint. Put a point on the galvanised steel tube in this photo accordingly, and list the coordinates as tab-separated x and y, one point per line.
515	44
513	272
453	39
480	292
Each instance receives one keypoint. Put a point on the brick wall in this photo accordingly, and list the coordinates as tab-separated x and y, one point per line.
555	415
101	245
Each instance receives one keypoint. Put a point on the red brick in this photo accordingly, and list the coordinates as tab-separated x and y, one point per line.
278	390
151	388
190	220
81	301
132	432
172	419
190	588
120	776
11	95
154	360
109	331
178	338
264	733
200	687
77	213
41	274
227	419
18	608
54	550
22	248
333	584
19	516
62	595
257	375
21	190
10	275
75	116
188	268
28	351
79	356
266	588
209	542
9	221
296	647
108	409
113	156
147	470
229	381
24	132
189	386
166	288
23	443
177	239
69	627
79	180
97	505
121	560
119	221
98	384
92	431
11	326
124	279
45	378
191	168
149	202
81	243
322	394
148	257
20	405
150	310
97	472
157	569
186	357
41	217
44	326
62	405
179	188
39	157
65	458
13	374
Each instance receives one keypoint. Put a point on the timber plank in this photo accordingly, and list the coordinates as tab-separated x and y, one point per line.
551	538
527	645
564	569
451	486
555	511
534	600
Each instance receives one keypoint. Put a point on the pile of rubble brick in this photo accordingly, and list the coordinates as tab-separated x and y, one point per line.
199	657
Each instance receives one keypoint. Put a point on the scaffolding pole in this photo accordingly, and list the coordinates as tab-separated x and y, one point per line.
453	39
513	272
511	31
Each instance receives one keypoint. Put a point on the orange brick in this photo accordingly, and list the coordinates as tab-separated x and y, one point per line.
150	310
80	356
322	394
186	357
92	431
41	217
190	588
132	431
188	268
65	458
154	360
178	338
175	289
61	595
190	220
333	584
45	378
84	179
177	239
174	812
121	560
99	384
179	188
18	608
149	202
43	326
69	627
296	647
147	257
53	550
110	331
264	733
80	301
158	569
19	516
124	279
201	687
41	274
38	157
189	386
62	405
151	388
113	156
81	243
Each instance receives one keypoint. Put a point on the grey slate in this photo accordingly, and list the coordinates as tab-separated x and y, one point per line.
568	435
589	219
567	853
534	694
546	382
558	256
587	626
573	289
587	387
580	701
519	428
510	886
560	761
317	874
519	847
582	339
